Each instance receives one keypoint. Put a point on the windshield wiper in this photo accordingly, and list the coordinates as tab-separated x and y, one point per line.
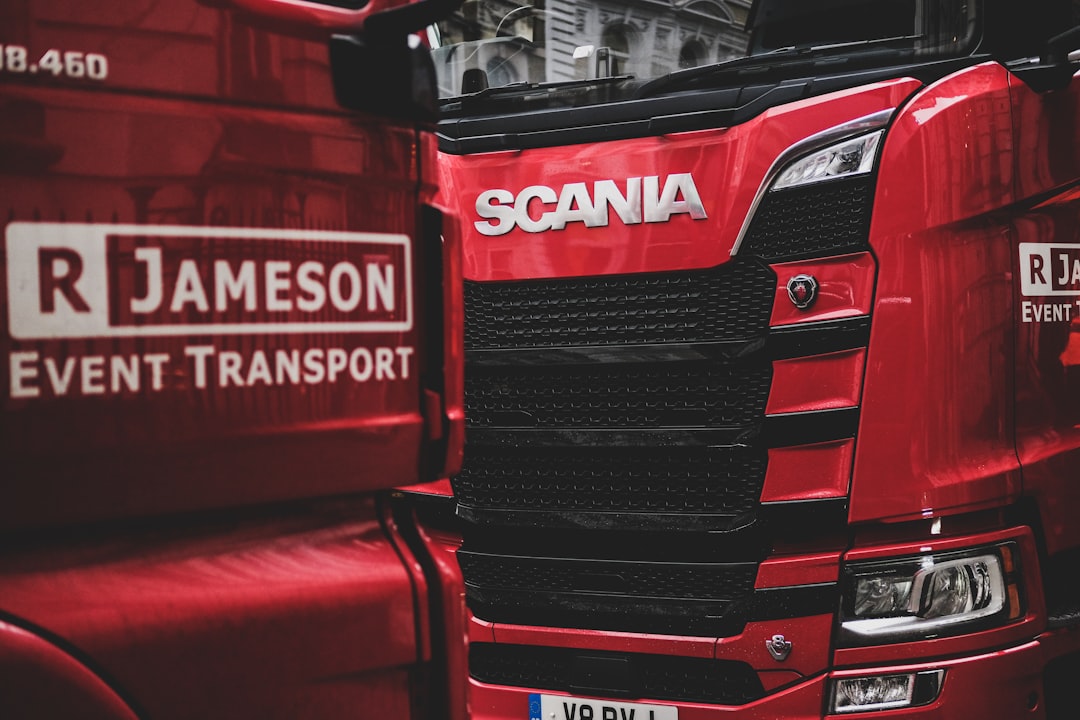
524	87
775	58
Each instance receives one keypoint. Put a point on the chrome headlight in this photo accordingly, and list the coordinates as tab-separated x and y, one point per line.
855	156
929	595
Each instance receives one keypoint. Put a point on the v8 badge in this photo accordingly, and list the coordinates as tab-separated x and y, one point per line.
778	647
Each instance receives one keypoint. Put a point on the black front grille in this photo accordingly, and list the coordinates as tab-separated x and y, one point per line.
617	448
714	581
615	674
624	404
618	396
731	302
682	598
827	218
705	488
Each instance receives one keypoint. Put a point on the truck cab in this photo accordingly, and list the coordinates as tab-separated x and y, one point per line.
229	328
769	320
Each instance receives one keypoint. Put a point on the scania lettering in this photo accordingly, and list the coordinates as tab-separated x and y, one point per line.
641	201
230	330
772	356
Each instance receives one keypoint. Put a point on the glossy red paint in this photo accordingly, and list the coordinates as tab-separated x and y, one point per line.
809	637
727	167
845	289
1047	359
247	436
936	429
699	647
246	441
805	472
810	634
321	17
214	541
450	635
453	350
956	393
819	382
263	616
480	630
51	682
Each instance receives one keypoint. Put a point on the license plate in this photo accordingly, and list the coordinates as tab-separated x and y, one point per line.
561	707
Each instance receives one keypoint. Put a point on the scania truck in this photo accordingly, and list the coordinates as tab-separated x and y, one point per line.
772	357
229	327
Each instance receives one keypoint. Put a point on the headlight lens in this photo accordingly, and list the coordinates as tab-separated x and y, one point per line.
929	595
885	692
855	156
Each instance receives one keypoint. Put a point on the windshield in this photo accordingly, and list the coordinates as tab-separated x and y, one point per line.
495	43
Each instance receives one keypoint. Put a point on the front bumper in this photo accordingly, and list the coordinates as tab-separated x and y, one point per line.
1000	685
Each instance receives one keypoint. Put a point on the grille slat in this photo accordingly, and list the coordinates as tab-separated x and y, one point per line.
629	480
641	676
731	302
706	581
627	595
635	396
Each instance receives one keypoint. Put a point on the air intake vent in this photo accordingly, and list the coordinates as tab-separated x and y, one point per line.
827	218
683	488
614	674
620	396
692	598
731	302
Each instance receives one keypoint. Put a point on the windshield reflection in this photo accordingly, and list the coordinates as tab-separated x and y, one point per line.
496	43
490	43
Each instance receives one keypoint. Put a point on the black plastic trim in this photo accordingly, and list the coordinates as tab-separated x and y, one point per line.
1062	591
808	339
625	613
585	611
609	121
798	518
776	431
810	427
725	350
806	516
794	601
616	674
432	510
684	111
616	437
781	343
600	520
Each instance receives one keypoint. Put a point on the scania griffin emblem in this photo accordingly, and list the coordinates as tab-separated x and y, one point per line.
802	290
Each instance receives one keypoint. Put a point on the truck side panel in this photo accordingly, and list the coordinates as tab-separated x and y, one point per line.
937	419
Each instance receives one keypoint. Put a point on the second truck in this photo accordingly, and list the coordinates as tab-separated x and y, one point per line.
771	343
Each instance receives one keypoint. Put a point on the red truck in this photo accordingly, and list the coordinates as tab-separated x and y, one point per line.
772	356
229	328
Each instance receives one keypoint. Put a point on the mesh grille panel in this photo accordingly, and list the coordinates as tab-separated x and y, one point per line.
731	302
641	579
656	480
658	677
829	218
658	395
